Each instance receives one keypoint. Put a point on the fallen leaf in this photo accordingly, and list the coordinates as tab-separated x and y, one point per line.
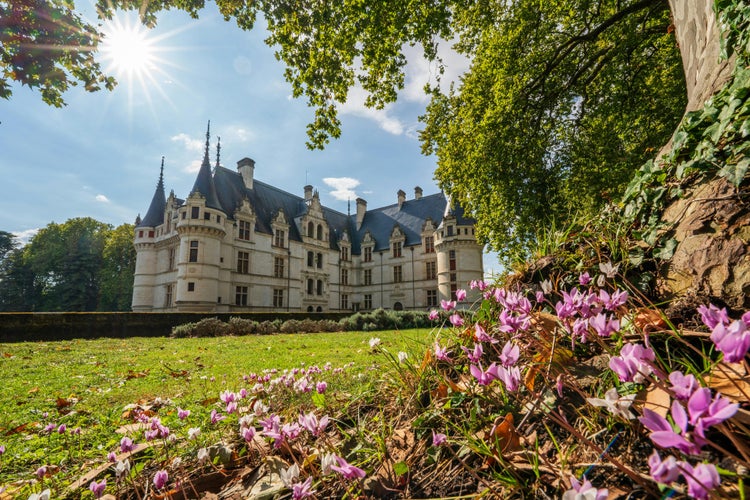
649	320
62	403
505	436
655	398
34	390
7	355
730	379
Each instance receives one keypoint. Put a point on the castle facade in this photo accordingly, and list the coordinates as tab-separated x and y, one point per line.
236	244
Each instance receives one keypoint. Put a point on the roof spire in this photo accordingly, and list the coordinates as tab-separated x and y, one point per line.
218	150
161	172
208	135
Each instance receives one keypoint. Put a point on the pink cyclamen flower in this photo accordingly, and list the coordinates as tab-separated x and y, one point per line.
49	428
438	439
111	457
182	414
231	407
663	471
126	445
160	479
510	377
62	429
303	489
447	305
434	314
603	325
683	386
480	335
98	488
460	295
248	433
484	377
633	363
441	353
509	354
559	385
41	472
712	315
321	387
706	412
456	319
662	433
584	279
732	340
474	355
701	479
2	449
584	490
347	470
216	417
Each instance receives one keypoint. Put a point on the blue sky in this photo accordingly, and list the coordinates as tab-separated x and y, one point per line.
100	155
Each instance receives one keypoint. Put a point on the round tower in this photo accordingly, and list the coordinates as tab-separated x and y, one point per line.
145	248
459	255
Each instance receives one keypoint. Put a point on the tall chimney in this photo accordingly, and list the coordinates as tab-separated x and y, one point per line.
246	168
417	193
308	193
401	198
361	209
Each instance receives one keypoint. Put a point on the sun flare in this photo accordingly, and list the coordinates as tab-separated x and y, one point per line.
128	50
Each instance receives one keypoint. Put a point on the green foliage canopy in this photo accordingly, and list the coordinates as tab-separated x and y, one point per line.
79	265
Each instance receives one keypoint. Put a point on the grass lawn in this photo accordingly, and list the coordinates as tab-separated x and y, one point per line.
88	383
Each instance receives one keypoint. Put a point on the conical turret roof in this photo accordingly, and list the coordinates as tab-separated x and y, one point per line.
155	214
204	183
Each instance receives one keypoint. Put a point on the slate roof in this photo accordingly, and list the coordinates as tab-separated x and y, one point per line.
155	214
225	190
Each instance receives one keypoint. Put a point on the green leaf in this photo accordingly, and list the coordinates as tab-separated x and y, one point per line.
319	400
735	173
401	468
667	251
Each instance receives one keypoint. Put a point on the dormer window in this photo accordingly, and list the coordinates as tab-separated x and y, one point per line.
279	238
368	254
243	230
396	247
195	212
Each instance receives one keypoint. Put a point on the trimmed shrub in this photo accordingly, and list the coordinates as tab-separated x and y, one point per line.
207	327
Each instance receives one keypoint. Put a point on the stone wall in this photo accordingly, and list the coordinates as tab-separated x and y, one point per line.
22	327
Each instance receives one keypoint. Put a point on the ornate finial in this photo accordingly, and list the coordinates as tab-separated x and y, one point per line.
208	135
348	206
161	172
218	150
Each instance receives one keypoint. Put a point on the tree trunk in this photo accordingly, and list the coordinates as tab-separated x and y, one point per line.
711	224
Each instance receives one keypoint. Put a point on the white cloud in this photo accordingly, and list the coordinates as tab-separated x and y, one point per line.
25	236
240	134
189	143
102	198
193	166
343	187
355	106
419	71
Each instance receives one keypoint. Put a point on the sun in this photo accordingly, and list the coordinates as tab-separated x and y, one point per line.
128	50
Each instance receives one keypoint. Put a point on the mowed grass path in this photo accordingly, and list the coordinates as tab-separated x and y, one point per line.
106	374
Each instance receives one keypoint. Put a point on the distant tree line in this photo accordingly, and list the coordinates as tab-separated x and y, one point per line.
79	265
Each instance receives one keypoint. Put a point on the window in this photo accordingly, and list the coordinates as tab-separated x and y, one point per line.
240	296
449	230
397	249
454	287
432	298
278	240
243	262
140	234
194	212
319	261
452	260
244	230
218	219
193	257
320	232
183	215
368	254
310	259
319	287
206	215
397	274
191	286
168	298
453	277
171	259
368	301
278	297
344	301
430	270
344	276
150	234
278	267
310	229
368	276
345	253
429	244
310	286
